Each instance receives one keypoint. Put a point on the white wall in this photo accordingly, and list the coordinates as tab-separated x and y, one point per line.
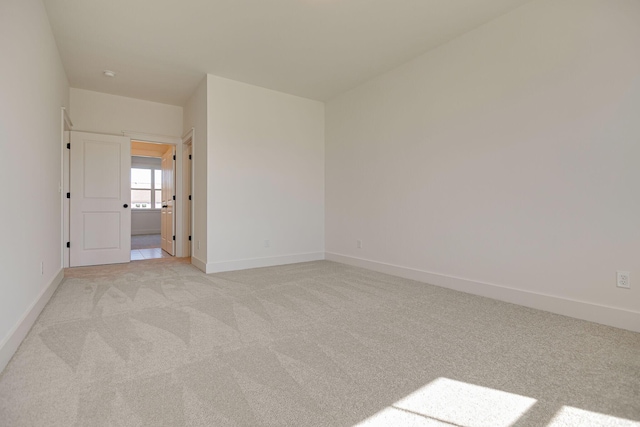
265	176
33	89
145	221
509	156
104	113
195	116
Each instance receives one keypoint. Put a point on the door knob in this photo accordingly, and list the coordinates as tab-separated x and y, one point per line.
125	206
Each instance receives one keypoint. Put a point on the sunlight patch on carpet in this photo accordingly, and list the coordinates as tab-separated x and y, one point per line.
446	402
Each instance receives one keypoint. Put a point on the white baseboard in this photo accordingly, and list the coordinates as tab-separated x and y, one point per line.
12	341
200	265
611	316
245	264
145	231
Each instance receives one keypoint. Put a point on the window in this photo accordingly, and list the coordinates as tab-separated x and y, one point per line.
146	188
157	178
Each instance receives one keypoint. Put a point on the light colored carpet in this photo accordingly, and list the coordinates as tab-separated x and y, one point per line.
158	343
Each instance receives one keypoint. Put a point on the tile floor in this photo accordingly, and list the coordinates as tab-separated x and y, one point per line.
148	253
147	246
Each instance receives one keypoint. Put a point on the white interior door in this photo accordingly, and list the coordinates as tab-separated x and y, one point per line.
100	186
168	203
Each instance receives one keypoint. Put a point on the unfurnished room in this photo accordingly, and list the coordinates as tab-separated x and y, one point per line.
320	213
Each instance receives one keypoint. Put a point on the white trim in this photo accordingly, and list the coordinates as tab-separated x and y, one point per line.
188	135
245	264
66	118
149	137
187	141
66	203
611	316
65	128
63	124
200	265
18	333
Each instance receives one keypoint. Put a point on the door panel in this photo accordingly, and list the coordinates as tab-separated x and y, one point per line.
102	170
101	230
168	191
100	186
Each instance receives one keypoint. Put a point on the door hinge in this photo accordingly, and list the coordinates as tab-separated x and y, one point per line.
68	244
189	238
189	196
68	146
174	157
189	156
68	195
174	237
174	197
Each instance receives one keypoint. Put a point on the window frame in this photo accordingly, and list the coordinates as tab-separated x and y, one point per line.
152	188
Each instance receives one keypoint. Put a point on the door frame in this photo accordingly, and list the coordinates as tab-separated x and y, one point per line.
137	136
176	141
187	190
66	127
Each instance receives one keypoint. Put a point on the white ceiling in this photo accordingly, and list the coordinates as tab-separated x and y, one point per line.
161	49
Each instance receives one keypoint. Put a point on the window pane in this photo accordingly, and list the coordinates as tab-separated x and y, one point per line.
141	199
158	179
140	178
158	199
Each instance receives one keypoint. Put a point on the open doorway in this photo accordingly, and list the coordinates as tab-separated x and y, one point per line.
152	200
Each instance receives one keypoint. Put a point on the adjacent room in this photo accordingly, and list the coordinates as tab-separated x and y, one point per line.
152	201
320	213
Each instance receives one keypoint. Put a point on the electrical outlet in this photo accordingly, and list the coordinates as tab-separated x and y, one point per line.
198	244
267	243
623	279
359	244
42	268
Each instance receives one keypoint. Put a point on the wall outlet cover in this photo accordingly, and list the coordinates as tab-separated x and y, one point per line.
623	279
